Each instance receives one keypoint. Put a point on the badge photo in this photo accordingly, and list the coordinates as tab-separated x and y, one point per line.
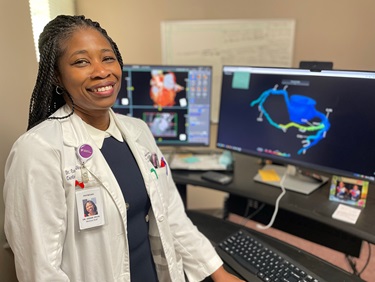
90	208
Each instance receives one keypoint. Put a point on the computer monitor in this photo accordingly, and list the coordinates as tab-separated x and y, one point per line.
173	100
316	121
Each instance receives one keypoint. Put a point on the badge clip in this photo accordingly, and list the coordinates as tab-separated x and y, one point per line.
84	153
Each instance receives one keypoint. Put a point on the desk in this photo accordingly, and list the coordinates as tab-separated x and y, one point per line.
216	230
315	207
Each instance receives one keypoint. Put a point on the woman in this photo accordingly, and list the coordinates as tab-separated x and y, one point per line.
90	208
76	149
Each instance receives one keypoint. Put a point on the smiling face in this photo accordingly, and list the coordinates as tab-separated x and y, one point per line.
90	208
89	71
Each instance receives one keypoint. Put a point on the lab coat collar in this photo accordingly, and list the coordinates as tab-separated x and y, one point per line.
131	134
99	135
130	131
75	132
73	129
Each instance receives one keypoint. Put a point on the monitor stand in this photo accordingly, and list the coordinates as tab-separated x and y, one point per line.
294	180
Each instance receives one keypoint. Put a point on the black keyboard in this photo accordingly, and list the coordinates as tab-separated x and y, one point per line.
245	253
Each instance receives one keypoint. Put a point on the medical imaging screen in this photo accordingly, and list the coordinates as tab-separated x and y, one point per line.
323	121
174	101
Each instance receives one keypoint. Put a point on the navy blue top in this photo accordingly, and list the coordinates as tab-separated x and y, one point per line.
126	170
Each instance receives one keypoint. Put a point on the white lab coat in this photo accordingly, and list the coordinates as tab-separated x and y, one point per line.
41	221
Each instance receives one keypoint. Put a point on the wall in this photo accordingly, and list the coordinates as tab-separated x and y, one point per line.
338	31
17	75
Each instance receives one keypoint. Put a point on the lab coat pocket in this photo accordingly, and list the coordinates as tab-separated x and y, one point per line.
160	173
160	181
118	248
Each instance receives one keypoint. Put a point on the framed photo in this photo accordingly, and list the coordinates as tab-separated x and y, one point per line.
348	191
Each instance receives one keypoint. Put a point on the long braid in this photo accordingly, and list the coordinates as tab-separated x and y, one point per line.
44	99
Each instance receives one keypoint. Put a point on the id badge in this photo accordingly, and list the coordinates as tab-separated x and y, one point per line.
90	208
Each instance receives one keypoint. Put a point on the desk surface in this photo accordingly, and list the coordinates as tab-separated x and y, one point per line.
216	230
315	206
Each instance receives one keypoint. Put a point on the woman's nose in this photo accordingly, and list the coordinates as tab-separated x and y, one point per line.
100	70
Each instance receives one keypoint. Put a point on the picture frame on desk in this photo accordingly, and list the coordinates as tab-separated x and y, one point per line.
348	191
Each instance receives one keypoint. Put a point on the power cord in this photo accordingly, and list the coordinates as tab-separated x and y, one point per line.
368	259
353	263
254	213
283	191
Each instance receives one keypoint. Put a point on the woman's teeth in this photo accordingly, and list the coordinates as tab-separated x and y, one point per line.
102	89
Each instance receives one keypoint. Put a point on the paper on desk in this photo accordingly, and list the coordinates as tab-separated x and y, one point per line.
197	162
268	175
346	213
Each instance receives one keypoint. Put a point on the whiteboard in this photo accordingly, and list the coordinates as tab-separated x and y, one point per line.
227	42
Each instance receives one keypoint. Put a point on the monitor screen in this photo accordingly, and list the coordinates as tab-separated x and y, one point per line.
173	100
323	120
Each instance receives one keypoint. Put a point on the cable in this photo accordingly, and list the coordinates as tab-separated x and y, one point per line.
254	213
352	264
368	259
283	191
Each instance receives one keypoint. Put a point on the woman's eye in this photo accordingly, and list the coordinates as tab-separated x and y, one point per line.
109	59
81	62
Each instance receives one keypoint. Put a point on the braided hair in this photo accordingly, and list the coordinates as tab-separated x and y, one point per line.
46	97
